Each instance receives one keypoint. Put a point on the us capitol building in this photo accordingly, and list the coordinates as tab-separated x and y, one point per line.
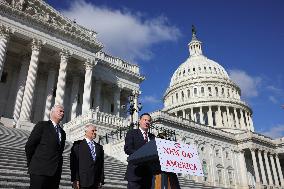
47	59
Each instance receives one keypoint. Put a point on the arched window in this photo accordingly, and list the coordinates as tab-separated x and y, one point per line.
182	96
209	91
188	93
176	97
195	91
202	91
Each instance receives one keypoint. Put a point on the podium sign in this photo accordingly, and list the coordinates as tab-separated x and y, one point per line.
178	157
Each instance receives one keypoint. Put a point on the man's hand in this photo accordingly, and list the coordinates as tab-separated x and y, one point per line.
100	185
75	184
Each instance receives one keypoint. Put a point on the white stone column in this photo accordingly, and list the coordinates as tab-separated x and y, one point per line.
98	87
268	169
235	163
135	115
247	121
61	81
263	176
219	117
275	176
201	115
21	87
250	122
74	96
49	92
228	117
236	118
87	86
183	114
30	82
225	119
116	100
243	170
4	38
242	121
255	167
210	117
191	114
279	170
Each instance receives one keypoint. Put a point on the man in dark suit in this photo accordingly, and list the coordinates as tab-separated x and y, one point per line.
44	150
138	176
87	161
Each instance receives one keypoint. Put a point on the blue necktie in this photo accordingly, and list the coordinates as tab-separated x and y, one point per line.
57	129
92	148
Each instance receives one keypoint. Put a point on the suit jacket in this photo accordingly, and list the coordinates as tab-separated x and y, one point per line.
83	168
43	149
133	141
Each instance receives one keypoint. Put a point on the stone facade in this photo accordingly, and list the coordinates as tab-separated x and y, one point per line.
47	59
203	106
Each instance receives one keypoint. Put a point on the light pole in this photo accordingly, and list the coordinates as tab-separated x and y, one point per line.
132	109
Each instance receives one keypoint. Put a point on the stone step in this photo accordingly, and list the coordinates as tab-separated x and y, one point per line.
13	170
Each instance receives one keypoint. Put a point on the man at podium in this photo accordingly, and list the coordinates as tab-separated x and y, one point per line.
138	176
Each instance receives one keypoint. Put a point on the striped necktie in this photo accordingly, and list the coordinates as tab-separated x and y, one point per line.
57	129
92	148
145	136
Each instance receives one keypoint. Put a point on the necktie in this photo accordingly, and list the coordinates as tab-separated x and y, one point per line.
92	148
57	129
145	137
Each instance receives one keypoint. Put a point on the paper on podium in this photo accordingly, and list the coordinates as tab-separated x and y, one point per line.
178	157
170	156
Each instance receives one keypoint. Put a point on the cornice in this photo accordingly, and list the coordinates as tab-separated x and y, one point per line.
120	65
41	15
160	116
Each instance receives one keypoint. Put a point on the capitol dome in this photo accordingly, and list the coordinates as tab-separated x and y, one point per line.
201	90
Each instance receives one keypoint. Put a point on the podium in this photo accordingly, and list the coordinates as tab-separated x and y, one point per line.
147	153
168	158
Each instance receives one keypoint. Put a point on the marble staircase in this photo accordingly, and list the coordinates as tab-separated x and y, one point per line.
13	170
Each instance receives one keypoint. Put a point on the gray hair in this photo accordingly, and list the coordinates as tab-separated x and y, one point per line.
56	106
89	125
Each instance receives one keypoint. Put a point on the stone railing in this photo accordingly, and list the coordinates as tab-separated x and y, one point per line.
116	150
159	116
118	62
104	121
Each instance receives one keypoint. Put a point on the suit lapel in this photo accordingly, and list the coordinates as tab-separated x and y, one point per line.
87	149
52	130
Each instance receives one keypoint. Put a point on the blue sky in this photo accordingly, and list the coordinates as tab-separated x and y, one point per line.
245	37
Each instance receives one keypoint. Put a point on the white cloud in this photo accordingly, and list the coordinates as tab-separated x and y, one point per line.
275	90
273	99
123	33
150	99
275	132
249	85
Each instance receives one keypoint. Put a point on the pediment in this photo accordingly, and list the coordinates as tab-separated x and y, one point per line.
48	17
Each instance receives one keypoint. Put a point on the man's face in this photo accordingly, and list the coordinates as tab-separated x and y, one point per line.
145	122
57	114
91	132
